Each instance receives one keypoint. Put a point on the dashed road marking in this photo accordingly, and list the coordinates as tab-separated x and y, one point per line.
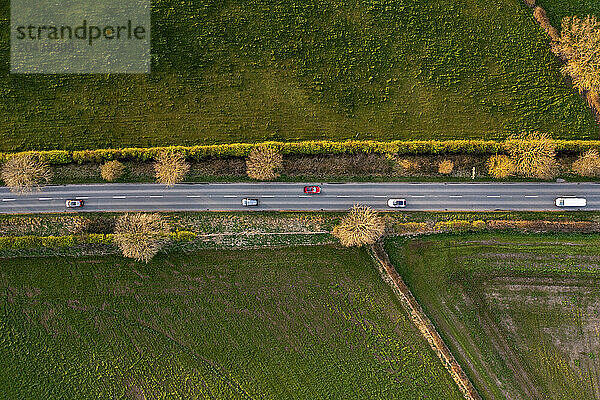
230	196
8	199
416	195
343	196
45	198
455	195
494	196
532	196
119	197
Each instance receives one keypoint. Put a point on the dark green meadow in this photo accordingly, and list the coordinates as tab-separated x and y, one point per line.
251	70
520	312
294	323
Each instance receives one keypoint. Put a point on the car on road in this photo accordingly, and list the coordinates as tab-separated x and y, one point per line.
570	202
312	189
396	203
249	202
74	203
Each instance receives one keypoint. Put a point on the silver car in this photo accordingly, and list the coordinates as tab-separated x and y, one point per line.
250	202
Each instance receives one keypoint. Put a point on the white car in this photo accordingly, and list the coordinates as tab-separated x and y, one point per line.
74	203
250	202
570	202
396	203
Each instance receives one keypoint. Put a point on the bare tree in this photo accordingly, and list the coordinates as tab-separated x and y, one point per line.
112	170
25	173
500	166
446	167
264	163
141	236
588	164
534	155
579	46
170	168
361	226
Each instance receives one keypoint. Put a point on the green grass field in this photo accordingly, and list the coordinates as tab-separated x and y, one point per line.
305	69
558	9
520	312
307	322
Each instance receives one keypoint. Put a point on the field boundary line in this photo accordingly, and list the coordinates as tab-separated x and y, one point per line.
422	322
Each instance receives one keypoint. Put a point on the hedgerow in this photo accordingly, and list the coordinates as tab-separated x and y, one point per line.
195	153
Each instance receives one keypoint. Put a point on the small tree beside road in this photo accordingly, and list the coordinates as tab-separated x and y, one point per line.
533	154
264	163
588	164
25	173
141	236
500	166
446	167
112	170
170	168
361	226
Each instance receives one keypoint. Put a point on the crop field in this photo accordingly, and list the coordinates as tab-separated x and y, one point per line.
520	312
305	69
310	322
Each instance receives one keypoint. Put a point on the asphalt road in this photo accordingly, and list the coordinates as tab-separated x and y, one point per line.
290	196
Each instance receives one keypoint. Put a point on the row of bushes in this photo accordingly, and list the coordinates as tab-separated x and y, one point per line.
32	242
414	147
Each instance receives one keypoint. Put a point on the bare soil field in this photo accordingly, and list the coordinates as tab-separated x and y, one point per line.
520	312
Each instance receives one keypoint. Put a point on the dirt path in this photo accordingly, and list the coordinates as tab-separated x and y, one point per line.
422	322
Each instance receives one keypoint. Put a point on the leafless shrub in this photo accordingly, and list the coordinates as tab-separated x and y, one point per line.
264	163
534	155
141	236
594	101
361	226
588	164
540	16
500	166
446	167
112	170
170	168
25	173
530	3
578	45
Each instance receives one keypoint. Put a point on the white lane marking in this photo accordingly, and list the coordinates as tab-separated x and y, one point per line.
379	196
532	196
119	197
81	198
8	199
193	195
267	196
453	195
45	198
414	195
302	195
493	196
342	196
230	196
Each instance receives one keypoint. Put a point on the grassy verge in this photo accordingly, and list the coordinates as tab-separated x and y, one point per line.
517	310
312	322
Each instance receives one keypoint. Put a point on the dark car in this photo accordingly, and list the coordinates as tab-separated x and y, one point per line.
312	189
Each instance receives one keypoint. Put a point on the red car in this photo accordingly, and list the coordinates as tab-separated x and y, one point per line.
312	189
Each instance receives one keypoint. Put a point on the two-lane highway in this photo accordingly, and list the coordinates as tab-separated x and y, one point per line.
277	196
